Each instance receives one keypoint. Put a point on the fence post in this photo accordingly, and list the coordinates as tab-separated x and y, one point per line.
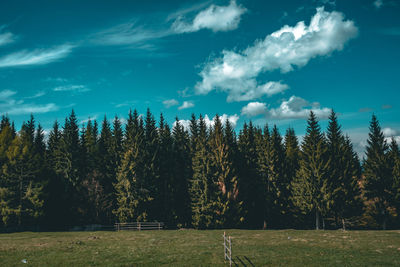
230	251
139	227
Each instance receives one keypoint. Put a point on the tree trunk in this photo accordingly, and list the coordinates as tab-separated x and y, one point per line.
323	223
316	219
344	224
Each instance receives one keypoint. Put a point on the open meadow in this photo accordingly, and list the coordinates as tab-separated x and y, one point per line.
201	248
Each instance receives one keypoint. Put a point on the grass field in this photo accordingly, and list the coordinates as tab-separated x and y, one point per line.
201	248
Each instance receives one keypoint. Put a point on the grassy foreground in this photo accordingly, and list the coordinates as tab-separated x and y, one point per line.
201	248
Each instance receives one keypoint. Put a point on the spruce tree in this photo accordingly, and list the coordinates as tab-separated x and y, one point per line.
200	182
181	175
311	184
251	187
377	172
133	197
165	184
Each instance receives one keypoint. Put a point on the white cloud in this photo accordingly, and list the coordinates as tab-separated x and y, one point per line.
236	72
254	109
6	38
215	18
378	3
186	104
389	132
298	108
170	103
35	57
6	94
11	106
74	88
233	119
129	34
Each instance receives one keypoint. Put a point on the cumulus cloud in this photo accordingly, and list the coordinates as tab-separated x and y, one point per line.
388	132
35	57
254	109
73	88
215	18
298	108
11	106
186	104
170	103
233	119
236	72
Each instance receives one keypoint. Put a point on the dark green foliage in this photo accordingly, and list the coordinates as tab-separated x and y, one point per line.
378	173
310	188
180	176
252	187
203	177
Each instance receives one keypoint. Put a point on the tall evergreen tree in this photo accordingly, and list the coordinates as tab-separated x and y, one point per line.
251	185
132	195
311	184
377	172
181	175
201	181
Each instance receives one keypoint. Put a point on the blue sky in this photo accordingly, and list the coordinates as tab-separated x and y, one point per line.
268	61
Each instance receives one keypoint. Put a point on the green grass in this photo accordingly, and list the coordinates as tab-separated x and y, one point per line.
201	248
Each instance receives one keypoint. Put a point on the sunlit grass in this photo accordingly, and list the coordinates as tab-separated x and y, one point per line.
201	248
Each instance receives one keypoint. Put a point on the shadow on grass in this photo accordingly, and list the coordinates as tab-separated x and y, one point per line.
242	261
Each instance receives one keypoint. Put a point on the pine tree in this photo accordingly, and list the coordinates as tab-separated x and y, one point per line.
292	157
344	173
279	186
56	202
251	187
21	196
68	166
181	174
395	161
311	183
133	197
200	182
165	184
378	177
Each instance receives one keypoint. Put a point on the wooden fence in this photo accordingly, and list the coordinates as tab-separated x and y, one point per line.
139	226
227	248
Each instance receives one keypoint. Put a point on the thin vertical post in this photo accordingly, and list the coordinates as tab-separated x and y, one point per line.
230	251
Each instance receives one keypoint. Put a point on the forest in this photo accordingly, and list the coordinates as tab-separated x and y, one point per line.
203	177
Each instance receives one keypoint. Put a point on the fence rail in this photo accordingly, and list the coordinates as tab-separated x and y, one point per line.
227	248
139	226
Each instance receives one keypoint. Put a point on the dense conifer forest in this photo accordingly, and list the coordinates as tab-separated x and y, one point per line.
204	177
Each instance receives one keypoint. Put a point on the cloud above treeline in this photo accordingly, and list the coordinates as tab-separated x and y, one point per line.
12	106
293	108
236	72
233	119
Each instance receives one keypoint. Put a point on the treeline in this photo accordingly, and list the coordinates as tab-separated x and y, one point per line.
204	177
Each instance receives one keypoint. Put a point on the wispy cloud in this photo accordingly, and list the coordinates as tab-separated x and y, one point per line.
6	38
236	72
71	88
215	18
36	57
11	106
170	103
130	34
186	104
37	95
